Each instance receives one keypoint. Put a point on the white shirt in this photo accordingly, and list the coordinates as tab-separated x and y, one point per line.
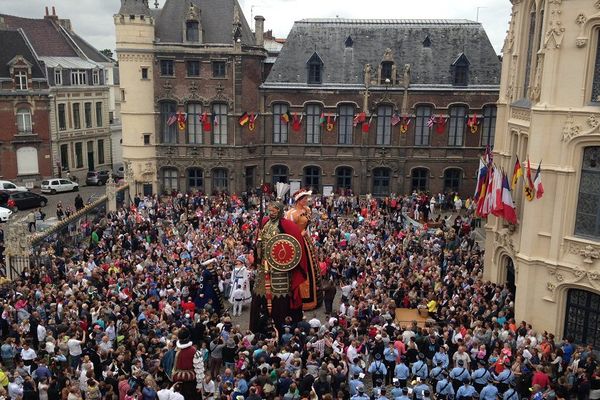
41	333
74	347
28	354
164	394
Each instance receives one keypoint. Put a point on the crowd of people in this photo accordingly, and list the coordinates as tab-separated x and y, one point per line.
149	306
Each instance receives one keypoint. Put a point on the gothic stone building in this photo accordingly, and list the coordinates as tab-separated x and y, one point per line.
200	59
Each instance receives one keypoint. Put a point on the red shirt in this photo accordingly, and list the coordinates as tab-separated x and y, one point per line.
540	378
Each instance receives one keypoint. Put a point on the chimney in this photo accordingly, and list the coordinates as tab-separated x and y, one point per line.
46	11
53	16
259	30
53	11
65	23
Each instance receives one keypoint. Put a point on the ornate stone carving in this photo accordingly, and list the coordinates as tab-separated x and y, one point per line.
570	130
554	34
521	114
589	254
387	55
406	76
192	13
509	41
550	286
581	19
504	239
368	70
597	4
536	90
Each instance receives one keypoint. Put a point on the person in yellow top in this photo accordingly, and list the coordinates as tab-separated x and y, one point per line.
300	213
432	307
3	379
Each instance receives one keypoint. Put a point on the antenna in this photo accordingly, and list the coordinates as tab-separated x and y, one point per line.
478	8
252	13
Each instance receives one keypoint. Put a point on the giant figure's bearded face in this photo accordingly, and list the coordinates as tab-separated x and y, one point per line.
275	210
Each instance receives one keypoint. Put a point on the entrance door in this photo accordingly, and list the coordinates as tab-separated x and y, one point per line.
90	154
582	318
147	189
510	275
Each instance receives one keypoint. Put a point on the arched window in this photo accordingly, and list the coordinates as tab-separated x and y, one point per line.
587	220
488	126
220	181
315	67
422	131
384	125
194	126
168	121
386	71
456	131
279	173
419	179
195	179
345	123
596	80
381	181
582	319
27	161
343	177
452	180
191	31
219	120
313	124
170	179
281	121
460	69
24	121
312	178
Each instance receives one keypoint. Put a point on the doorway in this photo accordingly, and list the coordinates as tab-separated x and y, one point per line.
510	276
90	155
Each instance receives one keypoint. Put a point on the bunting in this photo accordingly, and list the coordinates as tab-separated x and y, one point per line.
252	122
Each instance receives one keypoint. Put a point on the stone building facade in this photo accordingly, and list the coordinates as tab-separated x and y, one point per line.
549	112
24	111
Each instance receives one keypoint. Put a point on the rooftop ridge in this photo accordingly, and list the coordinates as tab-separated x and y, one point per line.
375	21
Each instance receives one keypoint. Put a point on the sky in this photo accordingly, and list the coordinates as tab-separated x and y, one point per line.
92	19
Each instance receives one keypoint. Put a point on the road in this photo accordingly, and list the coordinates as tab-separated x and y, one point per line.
67	200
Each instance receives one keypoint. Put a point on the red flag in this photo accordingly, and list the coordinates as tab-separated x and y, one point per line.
206	125
529	186
509	212
440	124
181	117
296	123
537	182
367	125
358	118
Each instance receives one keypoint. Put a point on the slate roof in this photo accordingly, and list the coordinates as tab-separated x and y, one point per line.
43	35
345	66
134	7
13	44
216	20
90	51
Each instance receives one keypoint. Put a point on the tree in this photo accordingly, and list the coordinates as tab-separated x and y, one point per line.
107	52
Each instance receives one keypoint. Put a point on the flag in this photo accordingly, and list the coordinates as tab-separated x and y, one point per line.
322	120
496	204
517	173
537	182
487	200
252	122
529	186
395	119
330	124
286	117
367	125
440	123
215	119
404	124
296	122
181	117
488	157
359	118
431	121
172	119
508	213
244	119
206	125
481	176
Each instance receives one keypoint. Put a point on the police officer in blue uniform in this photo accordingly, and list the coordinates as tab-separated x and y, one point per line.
419	368
378	371
480	376
466	390
458	375
354	384
511	393
419	389
444	389
504	379
396	390
442	356
436	374
361	394
401	372
490	391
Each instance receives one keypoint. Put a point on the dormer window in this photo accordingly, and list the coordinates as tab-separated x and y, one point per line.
315	69
386	71
427	41
349	42
96	77
191	31
460	71
57	76
78	77
21	80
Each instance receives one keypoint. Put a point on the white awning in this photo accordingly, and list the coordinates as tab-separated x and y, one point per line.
69	63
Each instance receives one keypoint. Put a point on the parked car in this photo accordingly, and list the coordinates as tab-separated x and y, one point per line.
59	185
11	187
25	200
5	214
96	178
119	173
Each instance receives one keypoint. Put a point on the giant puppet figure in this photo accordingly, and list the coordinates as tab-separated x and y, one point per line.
300	213
188	366
281	266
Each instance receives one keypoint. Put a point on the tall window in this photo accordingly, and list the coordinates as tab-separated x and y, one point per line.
384	125
101	159
57	76
313	124
280	127
312	178
220	180
596	81
78	77
456	132
191	31
24	121
343	177
315	66
488	126
167	67
64	156
419	179
386	71
195	179
76	116
99	114
530	48
193	68
219	69
381	181
87	114
169	132
582	322
62	117
78	155
279	174
587	220
452	180
170	179
422	131
96	77
345	124
194	126
220	123
21	80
